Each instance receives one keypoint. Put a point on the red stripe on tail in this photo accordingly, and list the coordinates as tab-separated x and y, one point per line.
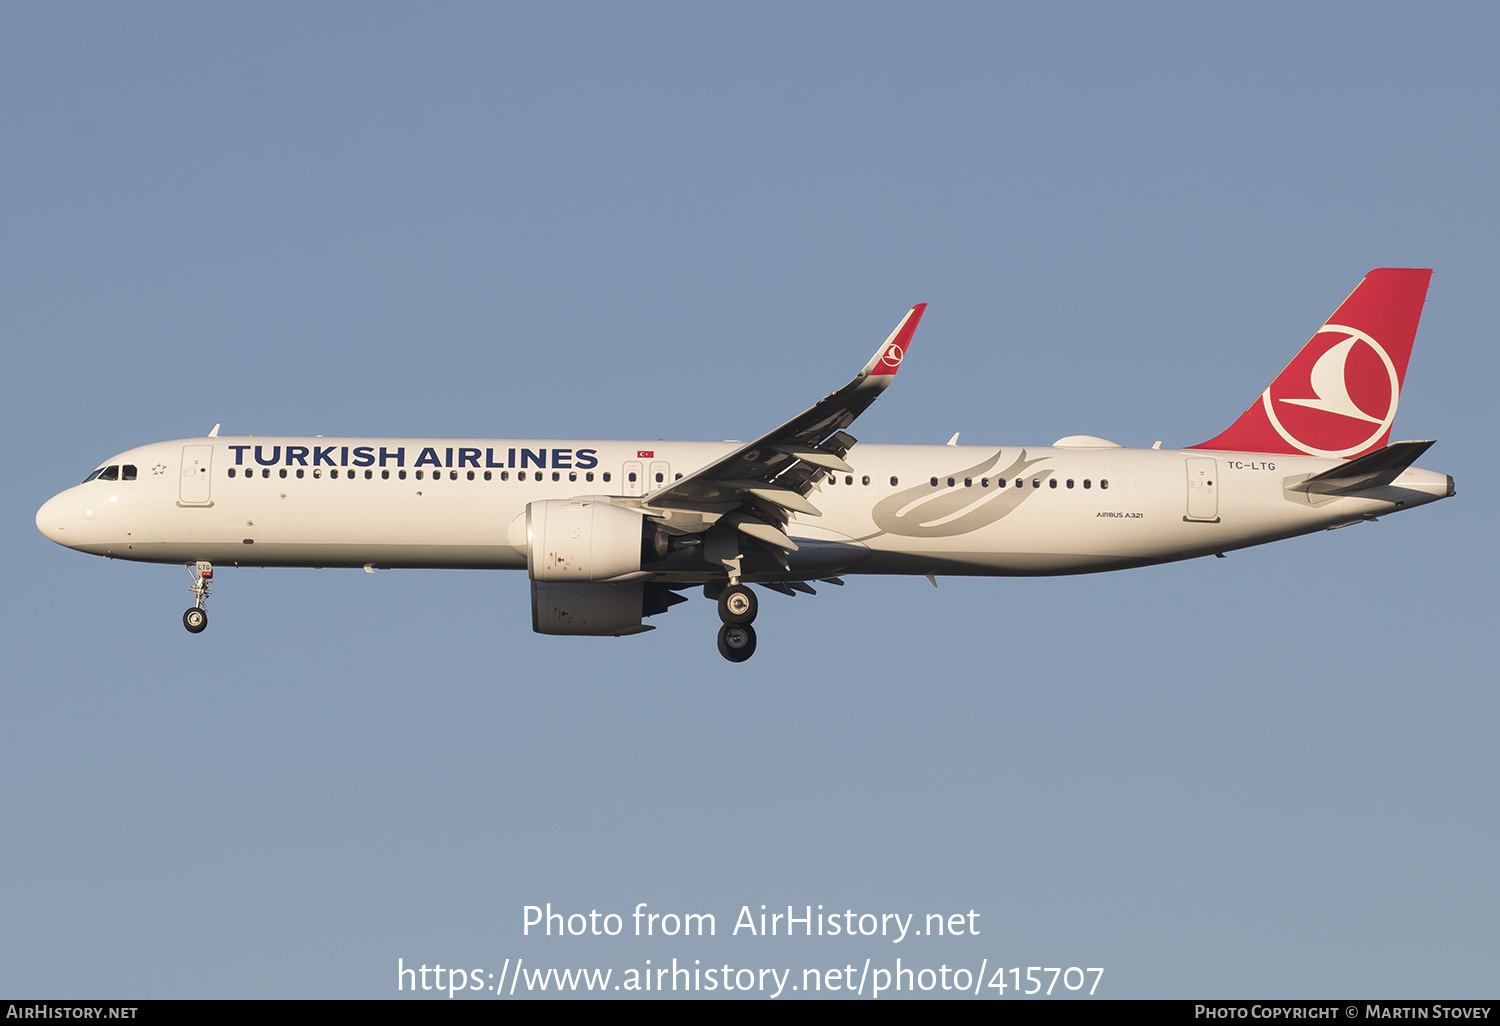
1338	396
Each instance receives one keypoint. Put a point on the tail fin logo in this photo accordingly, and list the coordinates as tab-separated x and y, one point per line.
893	355
1355	389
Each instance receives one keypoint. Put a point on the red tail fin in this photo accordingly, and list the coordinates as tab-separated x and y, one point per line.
1338	396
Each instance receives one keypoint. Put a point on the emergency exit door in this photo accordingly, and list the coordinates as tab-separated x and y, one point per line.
632	473
1202	489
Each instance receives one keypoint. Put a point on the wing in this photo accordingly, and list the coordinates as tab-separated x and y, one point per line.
759	484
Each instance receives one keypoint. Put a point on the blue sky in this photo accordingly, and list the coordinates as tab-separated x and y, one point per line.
1272	774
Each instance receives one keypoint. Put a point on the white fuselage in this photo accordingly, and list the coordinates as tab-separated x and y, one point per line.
360	502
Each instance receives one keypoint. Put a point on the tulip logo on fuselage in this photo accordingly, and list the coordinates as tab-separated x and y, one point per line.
943	510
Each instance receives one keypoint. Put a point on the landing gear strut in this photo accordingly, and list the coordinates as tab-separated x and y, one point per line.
196	618
737	608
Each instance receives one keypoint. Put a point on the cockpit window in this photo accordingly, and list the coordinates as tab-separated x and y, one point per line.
109	474
94	475
127	472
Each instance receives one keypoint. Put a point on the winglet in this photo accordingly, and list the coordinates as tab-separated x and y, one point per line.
887	359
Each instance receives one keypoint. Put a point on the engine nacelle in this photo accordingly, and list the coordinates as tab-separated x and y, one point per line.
597	609
587	540
593	609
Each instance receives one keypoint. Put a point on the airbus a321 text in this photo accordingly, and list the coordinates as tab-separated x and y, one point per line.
614	532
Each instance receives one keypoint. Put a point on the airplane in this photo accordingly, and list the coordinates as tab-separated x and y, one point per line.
612	532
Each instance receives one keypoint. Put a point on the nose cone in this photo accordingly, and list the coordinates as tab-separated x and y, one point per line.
50	519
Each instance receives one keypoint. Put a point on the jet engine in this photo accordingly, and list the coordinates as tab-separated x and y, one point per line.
586	540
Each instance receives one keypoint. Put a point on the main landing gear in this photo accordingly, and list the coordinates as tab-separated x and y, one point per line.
737	608
196	618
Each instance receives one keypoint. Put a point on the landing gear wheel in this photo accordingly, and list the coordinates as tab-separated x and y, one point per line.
736	643
737	605
202	573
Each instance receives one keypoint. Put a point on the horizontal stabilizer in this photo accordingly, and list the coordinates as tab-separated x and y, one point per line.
1380	467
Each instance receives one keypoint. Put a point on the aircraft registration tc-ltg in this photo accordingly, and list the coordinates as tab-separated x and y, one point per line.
614	532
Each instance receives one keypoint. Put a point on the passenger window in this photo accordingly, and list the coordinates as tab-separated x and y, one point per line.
848	479
385	475
505	475
1103	483
865	479
1052	482
1070	482
968	482
317	472
401	475
487	475
127	472
893	482
558	477
1087	483
677	478
606	475
453	475
369	475
471	475
1036	482
632	477
934	482
659	478
333	474
572	475
231	474
999	482
419	475
266	472
952	482
299	472
589	476
283	472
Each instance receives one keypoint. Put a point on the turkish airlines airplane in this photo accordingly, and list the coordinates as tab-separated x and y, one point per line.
614	532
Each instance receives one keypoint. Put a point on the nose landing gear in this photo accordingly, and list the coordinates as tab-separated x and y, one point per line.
196	618
737	608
